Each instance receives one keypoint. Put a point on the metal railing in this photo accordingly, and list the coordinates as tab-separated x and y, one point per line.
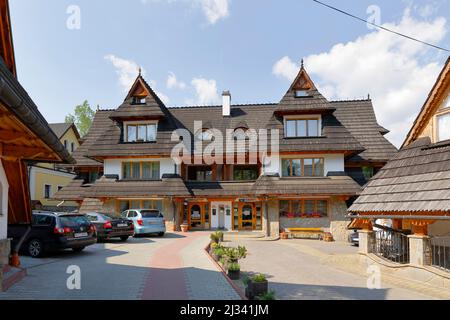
440	252
391	245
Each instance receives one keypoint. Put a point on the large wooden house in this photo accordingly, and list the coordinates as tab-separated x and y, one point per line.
325	150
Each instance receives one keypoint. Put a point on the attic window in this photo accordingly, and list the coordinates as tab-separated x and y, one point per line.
301	93
141	132
138	100
443	127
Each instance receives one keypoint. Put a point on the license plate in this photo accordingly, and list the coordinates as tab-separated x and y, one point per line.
122	225
80	234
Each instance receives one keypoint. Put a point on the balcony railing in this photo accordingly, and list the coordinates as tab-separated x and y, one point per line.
440	252
391	245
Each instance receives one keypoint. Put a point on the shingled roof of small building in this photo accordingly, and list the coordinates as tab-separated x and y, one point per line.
417	179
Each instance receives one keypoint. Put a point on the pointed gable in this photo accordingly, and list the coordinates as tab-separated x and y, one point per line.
141	103
303	97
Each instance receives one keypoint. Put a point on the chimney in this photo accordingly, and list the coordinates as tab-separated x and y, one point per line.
226	103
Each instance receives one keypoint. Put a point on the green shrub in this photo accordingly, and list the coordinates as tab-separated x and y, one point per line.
259	278
235	254
234	266
214	237
267	296
214	245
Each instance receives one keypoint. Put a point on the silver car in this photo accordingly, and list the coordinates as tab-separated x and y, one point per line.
146	221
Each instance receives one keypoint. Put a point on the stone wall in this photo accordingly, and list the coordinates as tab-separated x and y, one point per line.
5	249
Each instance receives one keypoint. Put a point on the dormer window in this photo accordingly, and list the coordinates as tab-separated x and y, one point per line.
301	93
140	132
302	127
240	134
138	100
204	135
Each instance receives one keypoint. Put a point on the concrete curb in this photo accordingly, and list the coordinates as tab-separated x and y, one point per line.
224	273
13	279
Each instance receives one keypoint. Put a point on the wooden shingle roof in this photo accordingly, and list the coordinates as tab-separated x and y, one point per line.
417	179
359	118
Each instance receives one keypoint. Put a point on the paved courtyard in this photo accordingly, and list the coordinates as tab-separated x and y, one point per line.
172	267
304	269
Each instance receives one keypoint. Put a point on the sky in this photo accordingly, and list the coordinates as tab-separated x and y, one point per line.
192	50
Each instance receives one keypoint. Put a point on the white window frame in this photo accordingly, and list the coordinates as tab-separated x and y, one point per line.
303	117
136	123
446	113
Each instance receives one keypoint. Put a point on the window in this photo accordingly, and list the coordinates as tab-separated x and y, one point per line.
47	191
303	208
59	188
65	144
240	134
302	128
305	167
245	172
124	205
141	132
443	127
367	172
204	135
140	170
72	147
200	173
301	93
138	100
42	220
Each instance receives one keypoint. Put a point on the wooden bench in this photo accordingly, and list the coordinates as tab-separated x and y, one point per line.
305	233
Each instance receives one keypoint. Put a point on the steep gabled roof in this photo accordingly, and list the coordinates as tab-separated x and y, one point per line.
313	102
359	118
153	108
60	129
430	106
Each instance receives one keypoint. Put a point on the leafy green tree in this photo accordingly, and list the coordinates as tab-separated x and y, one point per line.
82	117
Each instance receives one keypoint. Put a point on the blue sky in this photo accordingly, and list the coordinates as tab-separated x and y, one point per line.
191	50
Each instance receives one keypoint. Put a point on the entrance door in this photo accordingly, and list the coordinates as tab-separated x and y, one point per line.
221	217
196	216
247	216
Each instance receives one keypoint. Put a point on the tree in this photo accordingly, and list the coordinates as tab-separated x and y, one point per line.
82	117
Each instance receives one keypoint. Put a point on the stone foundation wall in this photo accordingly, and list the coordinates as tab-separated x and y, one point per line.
5	249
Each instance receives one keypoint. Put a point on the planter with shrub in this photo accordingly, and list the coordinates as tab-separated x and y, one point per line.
234	270
257	286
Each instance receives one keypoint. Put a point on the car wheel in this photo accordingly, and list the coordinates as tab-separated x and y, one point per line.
124	238
161	234
79	249
35	248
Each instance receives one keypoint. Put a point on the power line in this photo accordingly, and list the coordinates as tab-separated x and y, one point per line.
381	27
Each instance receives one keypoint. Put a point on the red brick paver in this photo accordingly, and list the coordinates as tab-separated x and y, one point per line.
166	279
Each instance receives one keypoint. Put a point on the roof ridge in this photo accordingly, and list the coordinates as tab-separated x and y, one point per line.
349	100
219	105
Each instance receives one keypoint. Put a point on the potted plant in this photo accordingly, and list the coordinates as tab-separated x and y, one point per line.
184	227
218	253
267	296
234	270
258	285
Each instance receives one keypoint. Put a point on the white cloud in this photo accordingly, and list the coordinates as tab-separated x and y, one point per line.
173	83
285	68
214	10
206	91
126	69
397	72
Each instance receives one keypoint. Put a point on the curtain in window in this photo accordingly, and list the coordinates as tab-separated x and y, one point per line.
285	168
126	170
151	132
301	128
142	132
296	167
131	133
136	172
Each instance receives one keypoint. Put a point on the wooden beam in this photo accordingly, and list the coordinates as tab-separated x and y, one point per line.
23	152
8	136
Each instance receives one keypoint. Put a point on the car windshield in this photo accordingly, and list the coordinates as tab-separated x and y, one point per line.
73	221
104	216
150	214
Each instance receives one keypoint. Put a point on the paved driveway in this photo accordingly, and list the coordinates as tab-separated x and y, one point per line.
299	269
172	267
